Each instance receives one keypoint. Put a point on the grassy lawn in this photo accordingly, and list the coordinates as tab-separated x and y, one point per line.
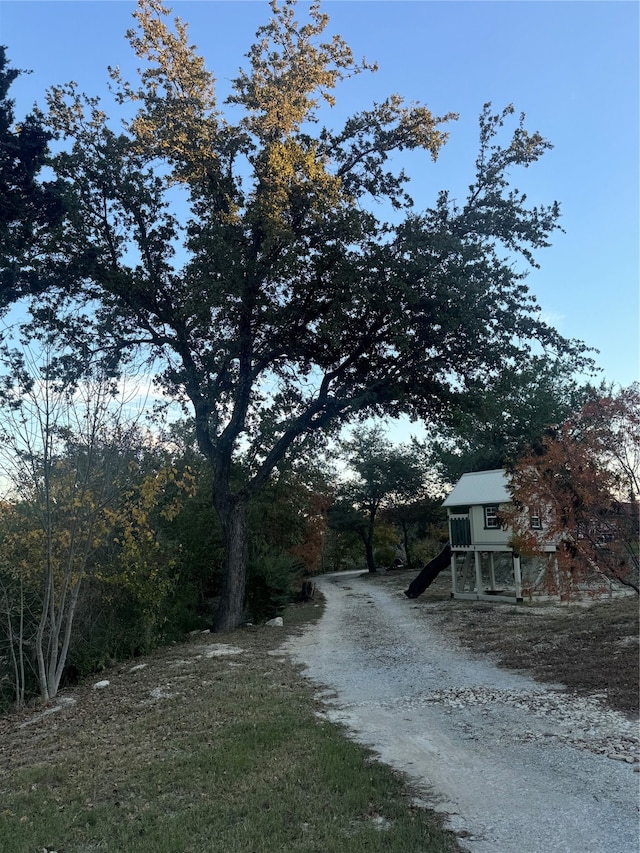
213	745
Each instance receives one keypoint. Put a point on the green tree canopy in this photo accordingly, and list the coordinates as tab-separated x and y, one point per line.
504	418
380	475
243	253
30	207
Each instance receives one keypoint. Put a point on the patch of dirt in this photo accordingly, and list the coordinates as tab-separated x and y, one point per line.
591	647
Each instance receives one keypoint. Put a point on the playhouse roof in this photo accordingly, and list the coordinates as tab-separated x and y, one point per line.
480	487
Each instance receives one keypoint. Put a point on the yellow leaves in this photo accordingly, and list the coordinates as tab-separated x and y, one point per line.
177	119
295	188
163	490
22	548
419	127
118	543
141	565
291	72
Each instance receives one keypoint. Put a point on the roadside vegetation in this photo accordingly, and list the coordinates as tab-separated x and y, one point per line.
215	744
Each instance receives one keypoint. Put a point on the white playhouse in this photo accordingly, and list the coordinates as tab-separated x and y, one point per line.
483	564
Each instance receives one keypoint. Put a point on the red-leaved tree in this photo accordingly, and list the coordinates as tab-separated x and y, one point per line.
580	488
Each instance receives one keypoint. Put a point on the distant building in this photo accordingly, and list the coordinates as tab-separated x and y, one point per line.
483	564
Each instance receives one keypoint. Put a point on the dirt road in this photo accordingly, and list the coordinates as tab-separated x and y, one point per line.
513	763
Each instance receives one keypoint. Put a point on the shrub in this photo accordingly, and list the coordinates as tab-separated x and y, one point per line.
272	581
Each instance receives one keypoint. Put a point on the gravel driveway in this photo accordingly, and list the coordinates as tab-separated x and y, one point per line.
515	765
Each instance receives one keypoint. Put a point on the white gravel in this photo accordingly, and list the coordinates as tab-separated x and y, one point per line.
516	765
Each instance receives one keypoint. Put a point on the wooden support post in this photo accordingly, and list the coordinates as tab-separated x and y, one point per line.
556	573
517	576
454	580
465	571
478	573
492	572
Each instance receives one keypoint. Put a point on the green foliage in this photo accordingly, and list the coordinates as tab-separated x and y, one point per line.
380	476
421	526
197	535
344	517
502	419
290	308
149	574
426	549
381	472
342	549
272	582
124	598
30	207
384	554
287	523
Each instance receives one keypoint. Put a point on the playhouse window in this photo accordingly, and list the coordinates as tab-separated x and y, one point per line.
491	517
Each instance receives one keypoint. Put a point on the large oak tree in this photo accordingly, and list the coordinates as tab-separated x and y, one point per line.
237	244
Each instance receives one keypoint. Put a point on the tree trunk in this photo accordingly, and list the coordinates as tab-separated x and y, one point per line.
368	542
407	552
230	611
40	636
368	547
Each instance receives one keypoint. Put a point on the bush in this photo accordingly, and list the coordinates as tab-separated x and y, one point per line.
385	555
272	580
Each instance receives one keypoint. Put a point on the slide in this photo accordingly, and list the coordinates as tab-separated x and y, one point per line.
429	573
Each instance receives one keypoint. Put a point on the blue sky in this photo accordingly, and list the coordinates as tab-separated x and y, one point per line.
572	67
